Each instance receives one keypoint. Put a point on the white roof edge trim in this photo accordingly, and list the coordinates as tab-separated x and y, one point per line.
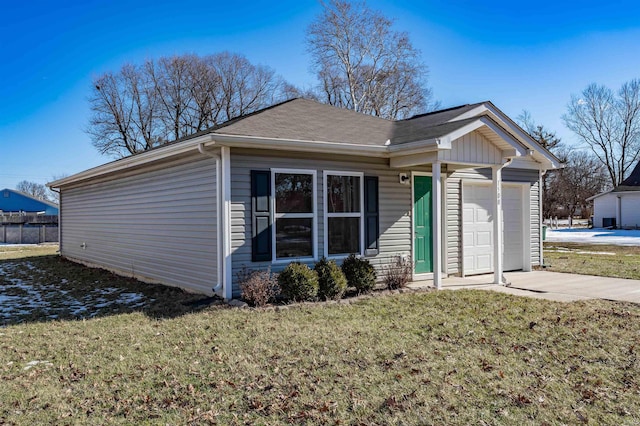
242	141
593	197
616	193
134	160
421	145
528	141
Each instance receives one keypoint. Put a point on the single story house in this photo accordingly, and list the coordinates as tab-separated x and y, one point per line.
456	190
13	201
619	207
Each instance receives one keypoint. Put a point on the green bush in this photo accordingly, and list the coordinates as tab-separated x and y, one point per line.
298	282
331	280
360	273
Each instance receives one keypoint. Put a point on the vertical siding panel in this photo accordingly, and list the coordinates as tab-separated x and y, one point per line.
536	242
454	225
156	225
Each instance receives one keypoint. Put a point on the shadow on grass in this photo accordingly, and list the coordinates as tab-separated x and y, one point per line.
50	288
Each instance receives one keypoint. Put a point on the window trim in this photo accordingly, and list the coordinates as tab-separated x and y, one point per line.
313	215
327	215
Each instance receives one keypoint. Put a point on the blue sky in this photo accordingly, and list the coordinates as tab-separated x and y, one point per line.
530	56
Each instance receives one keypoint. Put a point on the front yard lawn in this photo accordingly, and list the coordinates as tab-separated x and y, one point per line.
448	357
593	259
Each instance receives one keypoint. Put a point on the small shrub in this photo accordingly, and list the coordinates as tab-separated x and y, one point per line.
360	273
331	280
298	282
398	274
258	287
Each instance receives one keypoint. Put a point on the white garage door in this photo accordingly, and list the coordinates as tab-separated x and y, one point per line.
477	228
512	215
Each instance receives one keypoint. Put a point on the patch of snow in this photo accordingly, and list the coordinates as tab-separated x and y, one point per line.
33	363
21	297
619	237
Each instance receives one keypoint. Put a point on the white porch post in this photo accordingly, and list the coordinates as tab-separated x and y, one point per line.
498	242
436	218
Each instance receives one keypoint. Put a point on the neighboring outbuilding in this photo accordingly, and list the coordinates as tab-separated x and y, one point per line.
620	207
26	220
13	201
457	191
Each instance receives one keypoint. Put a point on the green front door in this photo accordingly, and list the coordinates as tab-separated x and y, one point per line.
422	242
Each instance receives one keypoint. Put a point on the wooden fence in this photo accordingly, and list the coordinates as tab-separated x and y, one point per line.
28	228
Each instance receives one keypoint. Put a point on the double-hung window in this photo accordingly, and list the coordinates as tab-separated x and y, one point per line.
294	214
344	225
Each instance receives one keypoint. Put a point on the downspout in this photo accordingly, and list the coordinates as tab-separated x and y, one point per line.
618	212
218	288
541	215
59	219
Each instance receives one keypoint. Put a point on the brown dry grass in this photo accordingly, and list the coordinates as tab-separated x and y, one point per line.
592	259
449	357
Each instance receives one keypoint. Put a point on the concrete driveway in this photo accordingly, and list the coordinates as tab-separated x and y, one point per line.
554	286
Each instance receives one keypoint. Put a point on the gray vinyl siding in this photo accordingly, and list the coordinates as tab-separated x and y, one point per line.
394	203
158	225
454	210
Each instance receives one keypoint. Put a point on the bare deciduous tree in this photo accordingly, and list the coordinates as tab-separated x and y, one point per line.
36	190
548	140
609	124
567	188
144	106
364	65
582	177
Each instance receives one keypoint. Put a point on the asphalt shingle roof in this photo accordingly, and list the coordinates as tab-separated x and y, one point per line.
631	183
303	119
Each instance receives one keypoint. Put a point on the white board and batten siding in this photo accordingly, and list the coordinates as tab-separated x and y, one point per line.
394	203
471	148
528	187
157	226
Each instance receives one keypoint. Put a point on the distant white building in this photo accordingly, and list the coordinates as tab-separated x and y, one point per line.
619	207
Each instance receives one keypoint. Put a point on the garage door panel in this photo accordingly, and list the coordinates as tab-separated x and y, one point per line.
478	228
483	238
484	261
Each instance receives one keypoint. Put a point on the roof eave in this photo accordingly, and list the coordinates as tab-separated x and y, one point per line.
540	154
257	142
133	161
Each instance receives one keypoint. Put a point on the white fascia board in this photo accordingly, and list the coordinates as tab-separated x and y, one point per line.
618	194
241	141
521	148
426	145
135	160
466	129
540	154
444	142
593	197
